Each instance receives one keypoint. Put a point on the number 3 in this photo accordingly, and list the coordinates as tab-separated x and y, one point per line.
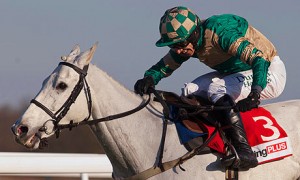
269	124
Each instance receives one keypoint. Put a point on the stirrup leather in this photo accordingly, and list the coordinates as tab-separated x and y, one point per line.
232	159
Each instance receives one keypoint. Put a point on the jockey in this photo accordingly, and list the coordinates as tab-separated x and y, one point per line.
247	68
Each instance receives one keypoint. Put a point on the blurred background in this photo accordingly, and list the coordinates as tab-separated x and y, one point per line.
34	34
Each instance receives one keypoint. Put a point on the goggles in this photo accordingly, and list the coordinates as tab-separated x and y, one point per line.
179	45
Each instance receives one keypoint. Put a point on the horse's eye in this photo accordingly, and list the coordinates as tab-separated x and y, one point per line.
61	86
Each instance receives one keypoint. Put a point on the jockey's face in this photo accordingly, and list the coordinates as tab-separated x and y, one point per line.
187	51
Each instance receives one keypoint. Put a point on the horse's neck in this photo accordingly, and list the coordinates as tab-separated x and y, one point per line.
109	96
131	142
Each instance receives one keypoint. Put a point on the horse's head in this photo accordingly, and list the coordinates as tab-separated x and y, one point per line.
63	95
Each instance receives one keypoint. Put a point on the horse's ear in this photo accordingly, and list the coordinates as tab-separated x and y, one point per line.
75	51
86	57
73	54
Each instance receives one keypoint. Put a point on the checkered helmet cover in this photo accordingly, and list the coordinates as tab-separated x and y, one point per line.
176	25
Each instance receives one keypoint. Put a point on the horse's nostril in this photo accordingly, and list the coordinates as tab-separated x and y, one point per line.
21	130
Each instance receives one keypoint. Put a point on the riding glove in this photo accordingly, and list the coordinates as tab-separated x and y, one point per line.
252	101
141	87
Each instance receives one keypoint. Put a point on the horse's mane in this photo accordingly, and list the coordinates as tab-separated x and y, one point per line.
110	79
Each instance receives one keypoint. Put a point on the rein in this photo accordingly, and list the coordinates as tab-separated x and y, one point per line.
108	118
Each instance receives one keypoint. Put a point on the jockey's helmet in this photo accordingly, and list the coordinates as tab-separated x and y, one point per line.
176	25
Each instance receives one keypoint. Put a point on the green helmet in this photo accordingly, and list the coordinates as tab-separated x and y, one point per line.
176	25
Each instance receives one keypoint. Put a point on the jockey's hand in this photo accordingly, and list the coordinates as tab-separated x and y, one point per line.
141	87
252	101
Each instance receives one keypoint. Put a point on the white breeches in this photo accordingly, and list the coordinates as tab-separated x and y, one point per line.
238	85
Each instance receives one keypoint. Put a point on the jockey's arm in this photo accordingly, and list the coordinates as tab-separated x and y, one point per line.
165	67
257	62
247	52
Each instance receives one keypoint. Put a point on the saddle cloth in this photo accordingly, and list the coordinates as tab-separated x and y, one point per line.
266	137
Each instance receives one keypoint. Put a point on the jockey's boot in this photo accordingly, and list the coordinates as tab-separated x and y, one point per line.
234	130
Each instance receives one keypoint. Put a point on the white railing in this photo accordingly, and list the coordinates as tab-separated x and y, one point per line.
55	164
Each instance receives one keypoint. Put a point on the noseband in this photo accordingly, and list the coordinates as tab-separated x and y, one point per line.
61	112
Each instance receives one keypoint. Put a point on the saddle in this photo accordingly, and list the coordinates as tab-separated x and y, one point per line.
194	121
189	108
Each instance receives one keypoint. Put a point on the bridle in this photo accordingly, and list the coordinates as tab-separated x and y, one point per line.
61	112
